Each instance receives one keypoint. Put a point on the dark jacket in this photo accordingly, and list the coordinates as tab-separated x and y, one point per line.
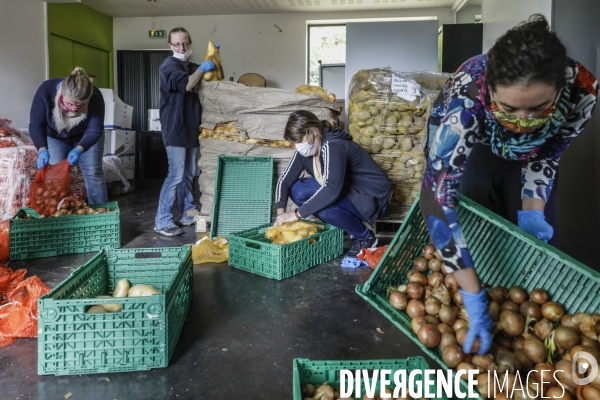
41	121
348	170
180	110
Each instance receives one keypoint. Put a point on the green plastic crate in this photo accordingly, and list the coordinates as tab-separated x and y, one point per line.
48	237
319	372
243	194
251	251
140	337
503	254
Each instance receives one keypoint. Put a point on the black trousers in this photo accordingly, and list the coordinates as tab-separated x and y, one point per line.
495	183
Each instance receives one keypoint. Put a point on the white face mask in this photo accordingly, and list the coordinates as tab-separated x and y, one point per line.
183	56
306	149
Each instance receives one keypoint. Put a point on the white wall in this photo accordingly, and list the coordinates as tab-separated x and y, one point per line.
22	57
500	16
250	43
467	15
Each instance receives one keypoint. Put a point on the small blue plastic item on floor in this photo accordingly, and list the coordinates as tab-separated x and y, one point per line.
353	262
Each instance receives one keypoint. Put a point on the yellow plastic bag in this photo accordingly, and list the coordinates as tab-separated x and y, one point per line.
210	251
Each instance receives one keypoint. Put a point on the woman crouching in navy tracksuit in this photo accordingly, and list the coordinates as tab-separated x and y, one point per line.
347	187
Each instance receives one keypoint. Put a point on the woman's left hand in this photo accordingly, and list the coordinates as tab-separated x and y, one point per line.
285	217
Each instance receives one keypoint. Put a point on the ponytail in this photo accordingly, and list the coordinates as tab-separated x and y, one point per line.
78	85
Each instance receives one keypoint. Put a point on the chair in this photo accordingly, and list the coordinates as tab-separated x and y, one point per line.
252	79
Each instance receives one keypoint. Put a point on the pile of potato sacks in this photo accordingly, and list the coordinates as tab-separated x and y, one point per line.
392	129
531	333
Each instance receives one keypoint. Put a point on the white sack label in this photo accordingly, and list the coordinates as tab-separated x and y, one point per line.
405	88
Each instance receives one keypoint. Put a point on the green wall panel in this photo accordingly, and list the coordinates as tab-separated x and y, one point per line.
80	36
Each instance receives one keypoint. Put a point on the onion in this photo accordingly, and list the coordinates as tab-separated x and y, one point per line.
482	385
512	323
326	390
590	392
510	383
509	305
415	291
465	366
570	321
428	292
458	324
467	358
417	323
542	329
530	309
416	276
461	334
441	293
494	310
505	361
457	298
483	362
498	294
552	311
517	295
398	300
589	342
548	374
415	308
452	355
538	296
564	375
503	340
502	396
517	343
428	251
557	393
565	337
432	319
590	350
496	349
420	264
451	282
522	363
534	349
435	279
447	315
429	335
435	265
432	306
445	328
446	340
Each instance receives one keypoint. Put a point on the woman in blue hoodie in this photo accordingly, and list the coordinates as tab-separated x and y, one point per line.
346	187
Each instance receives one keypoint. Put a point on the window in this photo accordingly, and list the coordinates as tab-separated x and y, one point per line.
328	44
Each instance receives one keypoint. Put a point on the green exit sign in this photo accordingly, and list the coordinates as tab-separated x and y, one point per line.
157	34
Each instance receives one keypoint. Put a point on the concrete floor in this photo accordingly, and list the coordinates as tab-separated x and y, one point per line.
241	334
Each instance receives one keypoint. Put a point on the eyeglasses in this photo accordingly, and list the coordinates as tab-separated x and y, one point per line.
178	45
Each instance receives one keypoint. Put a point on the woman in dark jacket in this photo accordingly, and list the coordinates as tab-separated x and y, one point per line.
180	113
67	121
347	187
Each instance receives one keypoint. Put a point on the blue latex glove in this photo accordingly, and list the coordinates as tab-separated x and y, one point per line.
73	157
217	46
534	222
43	158
480	321
206	66
352	262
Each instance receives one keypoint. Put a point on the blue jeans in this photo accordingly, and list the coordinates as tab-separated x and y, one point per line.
90	163
341	213
182	169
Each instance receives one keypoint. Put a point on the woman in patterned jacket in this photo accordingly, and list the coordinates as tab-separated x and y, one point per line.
500	126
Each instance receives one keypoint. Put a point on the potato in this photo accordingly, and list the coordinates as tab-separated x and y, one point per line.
143	290
121	288
110	307
95	310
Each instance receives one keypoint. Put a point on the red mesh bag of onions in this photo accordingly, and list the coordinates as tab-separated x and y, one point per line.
50	186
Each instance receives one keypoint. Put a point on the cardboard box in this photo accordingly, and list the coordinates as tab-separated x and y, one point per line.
117	115
119	143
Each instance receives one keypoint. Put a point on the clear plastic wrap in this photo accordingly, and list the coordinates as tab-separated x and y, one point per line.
388	112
